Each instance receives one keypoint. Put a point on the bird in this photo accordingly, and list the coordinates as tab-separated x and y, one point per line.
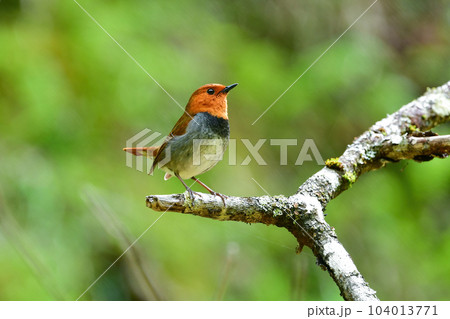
198	140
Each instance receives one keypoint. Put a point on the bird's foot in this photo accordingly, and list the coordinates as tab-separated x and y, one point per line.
191	195
222	196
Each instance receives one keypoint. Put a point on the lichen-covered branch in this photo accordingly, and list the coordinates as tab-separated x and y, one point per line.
366	152
394	138
302	215
417	148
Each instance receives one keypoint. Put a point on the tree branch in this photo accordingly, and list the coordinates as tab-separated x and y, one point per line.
417	148
390	139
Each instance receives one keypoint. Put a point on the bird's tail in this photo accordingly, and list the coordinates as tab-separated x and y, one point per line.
143	151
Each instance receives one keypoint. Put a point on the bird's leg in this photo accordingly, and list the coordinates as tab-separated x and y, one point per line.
191	193
210	190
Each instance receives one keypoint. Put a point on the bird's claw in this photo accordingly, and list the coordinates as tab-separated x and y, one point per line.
191	195
222	196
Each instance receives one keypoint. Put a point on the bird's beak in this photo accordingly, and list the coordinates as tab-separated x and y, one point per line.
228	88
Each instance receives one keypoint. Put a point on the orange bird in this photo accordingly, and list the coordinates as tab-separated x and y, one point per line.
198	140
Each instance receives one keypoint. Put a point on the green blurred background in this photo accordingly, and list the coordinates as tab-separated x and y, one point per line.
70	98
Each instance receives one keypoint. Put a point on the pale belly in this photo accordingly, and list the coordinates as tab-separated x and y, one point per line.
196	159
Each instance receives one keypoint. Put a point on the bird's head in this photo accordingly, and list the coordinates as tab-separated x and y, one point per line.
211	98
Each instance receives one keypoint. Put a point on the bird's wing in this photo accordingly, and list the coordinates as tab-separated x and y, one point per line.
143	151
178	129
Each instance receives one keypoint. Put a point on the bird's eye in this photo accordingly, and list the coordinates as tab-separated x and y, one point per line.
210	91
